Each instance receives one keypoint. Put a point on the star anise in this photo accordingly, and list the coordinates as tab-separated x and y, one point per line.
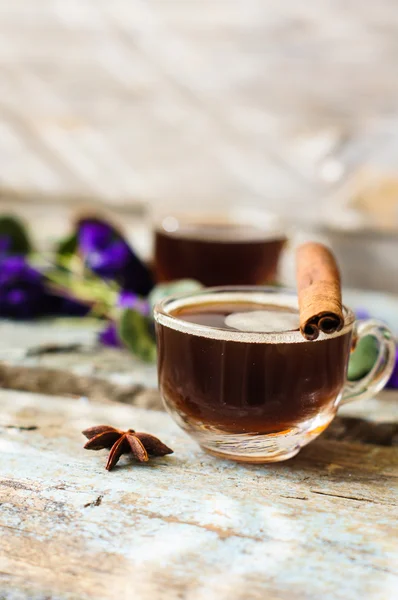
124	442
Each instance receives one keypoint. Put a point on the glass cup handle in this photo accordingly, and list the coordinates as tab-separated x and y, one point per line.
376	379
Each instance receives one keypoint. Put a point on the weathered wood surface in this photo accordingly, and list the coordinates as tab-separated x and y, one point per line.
322	525
63	357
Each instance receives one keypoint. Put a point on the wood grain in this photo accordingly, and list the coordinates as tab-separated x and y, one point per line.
321	525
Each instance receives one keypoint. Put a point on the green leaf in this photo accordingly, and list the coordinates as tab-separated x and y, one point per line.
88	288
363	358
67	247
174	288
14	229
134	331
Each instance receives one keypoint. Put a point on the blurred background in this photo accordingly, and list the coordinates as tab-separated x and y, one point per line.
134	103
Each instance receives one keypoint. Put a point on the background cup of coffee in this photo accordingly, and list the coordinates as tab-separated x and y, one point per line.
236	373
238	247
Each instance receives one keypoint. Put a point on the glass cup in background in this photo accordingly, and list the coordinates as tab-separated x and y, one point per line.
235	247
254	396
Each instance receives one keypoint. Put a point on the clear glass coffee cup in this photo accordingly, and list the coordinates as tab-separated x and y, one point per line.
236	374
237	246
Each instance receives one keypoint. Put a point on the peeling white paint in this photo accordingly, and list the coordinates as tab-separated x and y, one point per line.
187	523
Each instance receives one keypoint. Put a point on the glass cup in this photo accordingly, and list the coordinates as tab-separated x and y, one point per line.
256	396
236	247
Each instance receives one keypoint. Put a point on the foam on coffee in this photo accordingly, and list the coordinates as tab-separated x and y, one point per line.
263	321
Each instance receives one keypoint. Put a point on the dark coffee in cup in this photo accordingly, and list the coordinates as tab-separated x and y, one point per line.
237	374
247	386
216	252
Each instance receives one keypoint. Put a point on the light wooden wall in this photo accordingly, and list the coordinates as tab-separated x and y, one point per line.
215	101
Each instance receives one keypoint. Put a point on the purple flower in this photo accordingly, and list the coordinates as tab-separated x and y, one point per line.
362	313
22	291
24	295
393	381
62	305
107	253
130	300
109	336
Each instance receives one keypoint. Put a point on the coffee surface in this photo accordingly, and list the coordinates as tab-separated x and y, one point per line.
241	316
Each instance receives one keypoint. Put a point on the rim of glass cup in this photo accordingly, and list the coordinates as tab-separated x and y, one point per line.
270	223
284	297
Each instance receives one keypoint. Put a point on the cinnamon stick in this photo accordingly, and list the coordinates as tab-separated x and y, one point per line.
319	291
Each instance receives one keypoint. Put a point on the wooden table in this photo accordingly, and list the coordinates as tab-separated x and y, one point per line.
322	525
